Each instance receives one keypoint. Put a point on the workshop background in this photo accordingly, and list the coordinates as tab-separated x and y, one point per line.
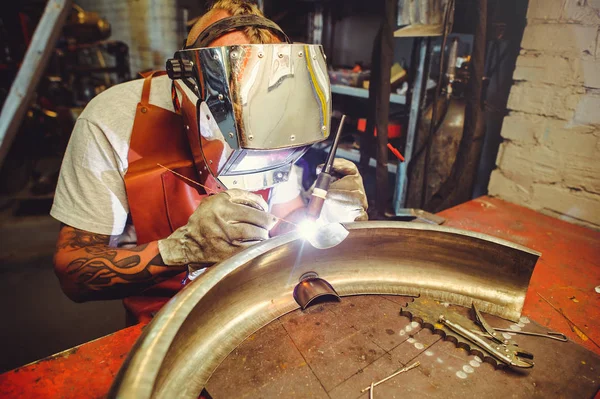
538	145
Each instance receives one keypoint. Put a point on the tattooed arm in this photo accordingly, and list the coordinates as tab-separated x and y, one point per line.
89	268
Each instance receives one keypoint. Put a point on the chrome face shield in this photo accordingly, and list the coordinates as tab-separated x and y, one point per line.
266	103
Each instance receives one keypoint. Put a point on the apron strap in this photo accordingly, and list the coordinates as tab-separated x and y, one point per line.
145	100
176	103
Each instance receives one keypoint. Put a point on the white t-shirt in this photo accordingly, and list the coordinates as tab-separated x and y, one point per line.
90	193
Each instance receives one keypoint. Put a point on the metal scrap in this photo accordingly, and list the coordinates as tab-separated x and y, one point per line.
402	370
572	325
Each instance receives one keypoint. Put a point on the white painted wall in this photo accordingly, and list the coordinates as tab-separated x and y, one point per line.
550	158
148	27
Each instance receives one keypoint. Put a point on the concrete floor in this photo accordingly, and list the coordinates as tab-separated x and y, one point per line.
38	320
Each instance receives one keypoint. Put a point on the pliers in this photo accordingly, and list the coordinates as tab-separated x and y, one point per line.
503	350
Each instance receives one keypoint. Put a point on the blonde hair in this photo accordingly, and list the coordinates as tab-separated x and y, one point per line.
233	8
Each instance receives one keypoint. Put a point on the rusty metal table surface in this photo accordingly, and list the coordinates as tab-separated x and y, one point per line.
333	350
566	275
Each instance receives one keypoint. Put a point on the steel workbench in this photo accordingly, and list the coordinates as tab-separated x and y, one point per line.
566	275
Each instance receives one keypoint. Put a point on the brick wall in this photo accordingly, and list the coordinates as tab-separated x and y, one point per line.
550	158
148	27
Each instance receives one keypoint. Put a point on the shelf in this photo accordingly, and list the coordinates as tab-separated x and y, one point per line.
353	155
364	93
418	30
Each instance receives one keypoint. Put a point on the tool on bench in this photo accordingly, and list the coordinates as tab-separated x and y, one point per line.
550	334
501	349
481	321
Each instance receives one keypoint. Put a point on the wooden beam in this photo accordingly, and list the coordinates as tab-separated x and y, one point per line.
33	66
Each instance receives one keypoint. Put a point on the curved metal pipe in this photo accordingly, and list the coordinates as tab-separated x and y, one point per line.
201	325
312	287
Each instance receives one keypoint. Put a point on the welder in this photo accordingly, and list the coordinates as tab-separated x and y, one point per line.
168	175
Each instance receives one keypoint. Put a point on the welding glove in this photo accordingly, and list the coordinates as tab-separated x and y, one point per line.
346	200
221	226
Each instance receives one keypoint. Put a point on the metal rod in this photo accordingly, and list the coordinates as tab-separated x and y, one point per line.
571	324
402	370
188	179
212	190
334	146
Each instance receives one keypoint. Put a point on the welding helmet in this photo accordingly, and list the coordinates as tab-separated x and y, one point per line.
258	107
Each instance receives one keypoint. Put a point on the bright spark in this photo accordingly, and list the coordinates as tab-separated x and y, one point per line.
308	229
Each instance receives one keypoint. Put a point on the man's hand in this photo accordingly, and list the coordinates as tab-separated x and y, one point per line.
346	200
221	226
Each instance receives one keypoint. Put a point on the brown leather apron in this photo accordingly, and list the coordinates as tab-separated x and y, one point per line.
159	200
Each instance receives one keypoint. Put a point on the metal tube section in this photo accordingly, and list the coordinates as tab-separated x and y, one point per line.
202	324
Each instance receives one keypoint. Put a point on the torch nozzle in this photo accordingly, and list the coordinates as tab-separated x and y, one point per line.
317	198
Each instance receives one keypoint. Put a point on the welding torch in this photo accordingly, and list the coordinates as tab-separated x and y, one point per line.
317	198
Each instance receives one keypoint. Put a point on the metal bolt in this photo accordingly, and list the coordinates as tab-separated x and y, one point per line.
260	55
210	162
280	55
144	110
292	137
215	57
300	54
324	128
597	289
235	182
187	127
205	167
234	55
231	134
220	97
251	137
314	57
279	175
